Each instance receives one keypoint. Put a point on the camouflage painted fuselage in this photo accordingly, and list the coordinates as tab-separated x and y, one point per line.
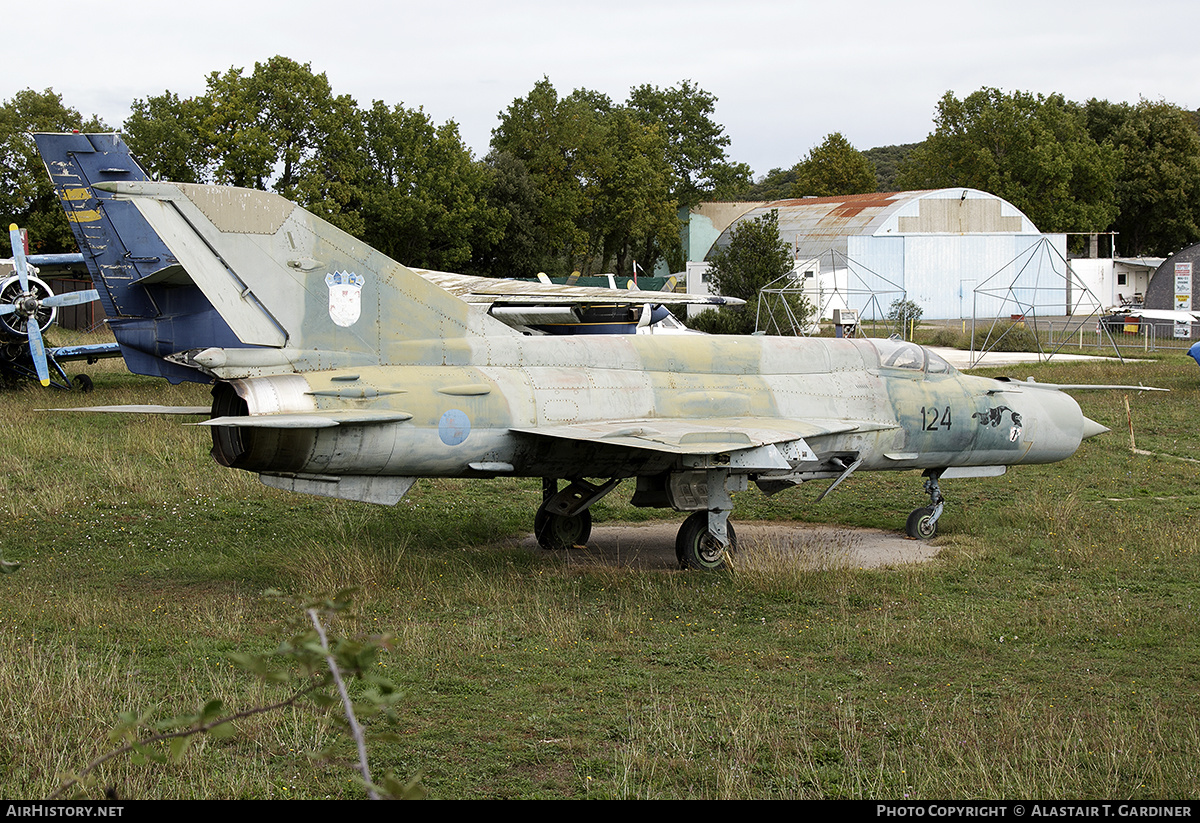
339	371
629	405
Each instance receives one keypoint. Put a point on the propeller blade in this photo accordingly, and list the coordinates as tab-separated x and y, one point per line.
7	308
37	351
18	251
72	298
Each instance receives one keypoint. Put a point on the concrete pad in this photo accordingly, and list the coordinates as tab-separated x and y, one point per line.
652	546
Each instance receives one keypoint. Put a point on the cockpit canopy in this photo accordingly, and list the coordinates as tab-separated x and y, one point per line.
900	354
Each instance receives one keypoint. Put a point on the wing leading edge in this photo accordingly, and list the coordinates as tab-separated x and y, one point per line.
745	444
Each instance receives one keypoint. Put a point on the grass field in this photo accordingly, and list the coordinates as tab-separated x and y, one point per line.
1050	651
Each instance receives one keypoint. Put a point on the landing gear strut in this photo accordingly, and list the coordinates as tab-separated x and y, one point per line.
922	523
706	539
564	520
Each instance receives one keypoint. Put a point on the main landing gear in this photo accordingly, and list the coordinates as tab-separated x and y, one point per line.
564	520
922	523
697	547
705	540
556	532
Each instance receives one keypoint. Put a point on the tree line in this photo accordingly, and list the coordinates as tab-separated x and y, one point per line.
574	182
583	182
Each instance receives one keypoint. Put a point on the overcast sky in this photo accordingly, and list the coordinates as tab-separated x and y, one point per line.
785	73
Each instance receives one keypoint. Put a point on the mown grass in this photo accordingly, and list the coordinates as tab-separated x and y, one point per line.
1049	651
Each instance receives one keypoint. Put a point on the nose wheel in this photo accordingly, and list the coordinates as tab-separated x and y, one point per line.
922	523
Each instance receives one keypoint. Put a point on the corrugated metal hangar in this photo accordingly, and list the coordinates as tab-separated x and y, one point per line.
957	252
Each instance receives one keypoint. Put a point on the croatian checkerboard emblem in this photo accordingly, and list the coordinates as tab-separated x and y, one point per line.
345	296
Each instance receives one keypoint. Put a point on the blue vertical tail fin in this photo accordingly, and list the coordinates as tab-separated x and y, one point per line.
150	321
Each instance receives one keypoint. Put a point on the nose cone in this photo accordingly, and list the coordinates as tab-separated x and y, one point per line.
1091	428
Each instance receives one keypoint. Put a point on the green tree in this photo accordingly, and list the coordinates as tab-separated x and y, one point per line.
754	257
904	316
279	128
601	177
1158	188
299	114
731	182
1103	118
425	199
696	144
557	140
330	180
282	128
1034	152
887	161
634	216
26	196
166	135
387	175
834	168
241	153
521	250
777	184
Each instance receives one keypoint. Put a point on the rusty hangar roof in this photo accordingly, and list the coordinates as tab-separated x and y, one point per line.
814	225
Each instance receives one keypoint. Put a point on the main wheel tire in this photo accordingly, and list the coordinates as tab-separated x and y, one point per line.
697	548
920	524
555	532
83	383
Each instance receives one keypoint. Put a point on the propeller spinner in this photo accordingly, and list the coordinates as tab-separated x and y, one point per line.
27	305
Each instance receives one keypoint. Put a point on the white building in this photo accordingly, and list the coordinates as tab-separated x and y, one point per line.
1117	282
957	252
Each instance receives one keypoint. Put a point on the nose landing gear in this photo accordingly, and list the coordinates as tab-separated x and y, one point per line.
922	523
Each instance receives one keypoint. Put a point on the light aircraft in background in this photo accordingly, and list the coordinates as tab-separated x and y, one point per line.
27	308
542	307
340	372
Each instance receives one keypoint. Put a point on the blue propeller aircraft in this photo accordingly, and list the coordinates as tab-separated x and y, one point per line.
338	371
27	308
